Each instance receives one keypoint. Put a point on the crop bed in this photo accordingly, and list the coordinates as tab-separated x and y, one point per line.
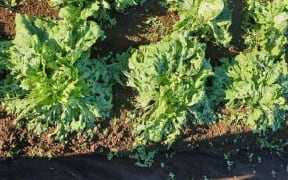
188	89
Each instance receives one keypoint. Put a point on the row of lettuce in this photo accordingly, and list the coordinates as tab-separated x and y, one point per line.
177	84
51	80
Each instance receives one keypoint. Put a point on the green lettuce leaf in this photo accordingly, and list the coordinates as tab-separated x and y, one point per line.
206	19
267	26
170	78
59	85
255	87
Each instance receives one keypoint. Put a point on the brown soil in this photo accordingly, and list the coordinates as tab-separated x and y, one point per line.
31	7
199	152
142	25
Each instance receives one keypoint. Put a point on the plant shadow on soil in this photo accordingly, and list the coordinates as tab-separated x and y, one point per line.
1	29
141	26
234	161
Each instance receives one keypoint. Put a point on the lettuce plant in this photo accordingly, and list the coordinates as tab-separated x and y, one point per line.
206	19
59	84
98	9
267	26
52	80
254	85
118	4
255	90
170	78
78	9
121	5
